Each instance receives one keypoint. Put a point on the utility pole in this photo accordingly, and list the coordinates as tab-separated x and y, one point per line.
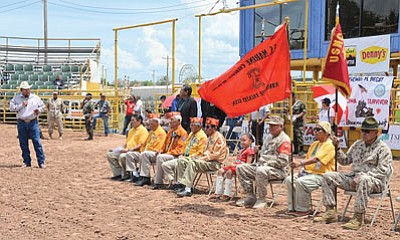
154	76
45	29
168	58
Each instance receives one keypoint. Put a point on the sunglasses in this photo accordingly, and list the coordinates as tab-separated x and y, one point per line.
365	131
208	126
318	129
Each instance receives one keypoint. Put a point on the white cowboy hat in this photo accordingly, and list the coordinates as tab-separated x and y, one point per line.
25	85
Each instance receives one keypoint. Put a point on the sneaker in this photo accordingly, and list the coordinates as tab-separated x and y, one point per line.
41	165
25	165
184	193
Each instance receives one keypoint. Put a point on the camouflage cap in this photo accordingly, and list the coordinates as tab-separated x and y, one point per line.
370	123
275	120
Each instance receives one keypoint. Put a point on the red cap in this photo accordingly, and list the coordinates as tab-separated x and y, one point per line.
196	120
212	121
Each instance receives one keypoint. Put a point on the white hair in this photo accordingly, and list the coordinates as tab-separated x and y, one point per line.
156	119
178	117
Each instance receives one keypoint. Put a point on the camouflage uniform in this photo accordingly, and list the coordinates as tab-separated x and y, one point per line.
87	109
271	165
298	125
371	164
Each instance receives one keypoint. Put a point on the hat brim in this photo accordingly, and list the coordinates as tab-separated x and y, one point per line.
26	87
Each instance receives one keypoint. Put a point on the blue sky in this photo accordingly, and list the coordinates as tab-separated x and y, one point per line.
141	50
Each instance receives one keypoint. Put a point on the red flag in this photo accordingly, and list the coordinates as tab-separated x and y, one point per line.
262	76
336	70
328	91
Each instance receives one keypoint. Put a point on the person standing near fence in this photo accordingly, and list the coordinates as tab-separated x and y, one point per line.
87	110
104	113
55	107
28	107
130	105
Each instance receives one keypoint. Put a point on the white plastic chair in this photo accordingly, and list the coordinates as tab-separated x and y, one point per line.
224	129
235	131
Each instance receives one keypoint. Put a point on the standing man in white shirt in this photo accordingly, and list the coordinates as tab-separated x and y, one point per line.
28	106
138	106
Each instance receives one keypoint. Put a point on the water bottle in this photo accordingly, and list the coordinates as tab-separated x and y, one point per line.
318	165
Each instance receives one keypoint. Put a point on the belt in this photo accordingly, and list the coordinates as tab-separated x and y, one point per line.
26	120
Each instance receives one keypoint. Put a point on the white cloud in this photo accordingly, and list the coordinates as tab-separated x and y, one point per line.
126	60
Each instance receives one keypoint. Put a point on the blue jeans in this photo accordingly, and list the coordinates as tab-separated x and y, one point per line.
26	131
126	123
105	121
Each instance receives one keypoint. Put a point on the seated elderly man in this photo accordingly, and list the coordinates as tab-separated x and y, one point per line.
274	157
320	158
173	147
194	147
154	145
371	161
212	159
135	140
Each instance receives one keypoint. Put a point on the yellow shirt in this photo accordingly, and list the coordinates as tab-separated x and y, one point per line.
195	144
155	140
215	149
325	152
137	136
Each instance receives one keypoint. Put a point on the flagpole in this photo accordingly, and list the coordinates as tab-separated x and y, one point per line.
336	111
287	20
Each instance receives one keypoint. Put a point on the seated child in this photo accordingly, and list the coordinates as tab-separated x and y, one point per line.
246	155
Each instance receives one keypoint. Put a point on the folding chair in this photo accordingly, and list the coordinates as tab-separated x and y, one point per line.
235	131
385	193
209	174
224	130
281	183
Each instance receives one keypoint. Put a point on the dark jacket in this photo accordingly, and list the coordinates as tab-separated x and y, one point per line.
187	108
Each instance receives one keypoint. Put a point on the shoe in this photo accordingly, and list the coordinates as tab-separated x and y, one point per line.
330	216
298	213
260	204
60	137
88	139
135	179
116	178
355	223
124	178
246	202
224	198
214	198
143	181
41	165
25	165
158	186
184	193
179	188
50	136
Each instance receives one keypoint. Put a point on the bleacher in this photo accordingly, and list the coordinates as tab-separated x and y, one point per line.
25	59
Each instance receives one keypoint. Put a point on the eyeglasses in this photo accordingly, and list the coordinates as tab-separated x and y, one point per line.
318	129
365	131
208	126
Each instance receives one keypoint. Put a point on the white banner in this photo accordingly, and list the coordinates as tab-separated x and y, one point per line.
370	96
368	54
308	136
392	138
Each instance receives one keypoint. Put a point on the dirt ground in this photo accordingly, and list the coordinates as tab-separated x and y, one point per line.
74	198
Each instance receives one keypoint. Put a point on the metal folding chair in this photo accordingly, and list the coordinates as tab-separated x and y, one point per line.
385	193
209	175
224	130
236	131
281	183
